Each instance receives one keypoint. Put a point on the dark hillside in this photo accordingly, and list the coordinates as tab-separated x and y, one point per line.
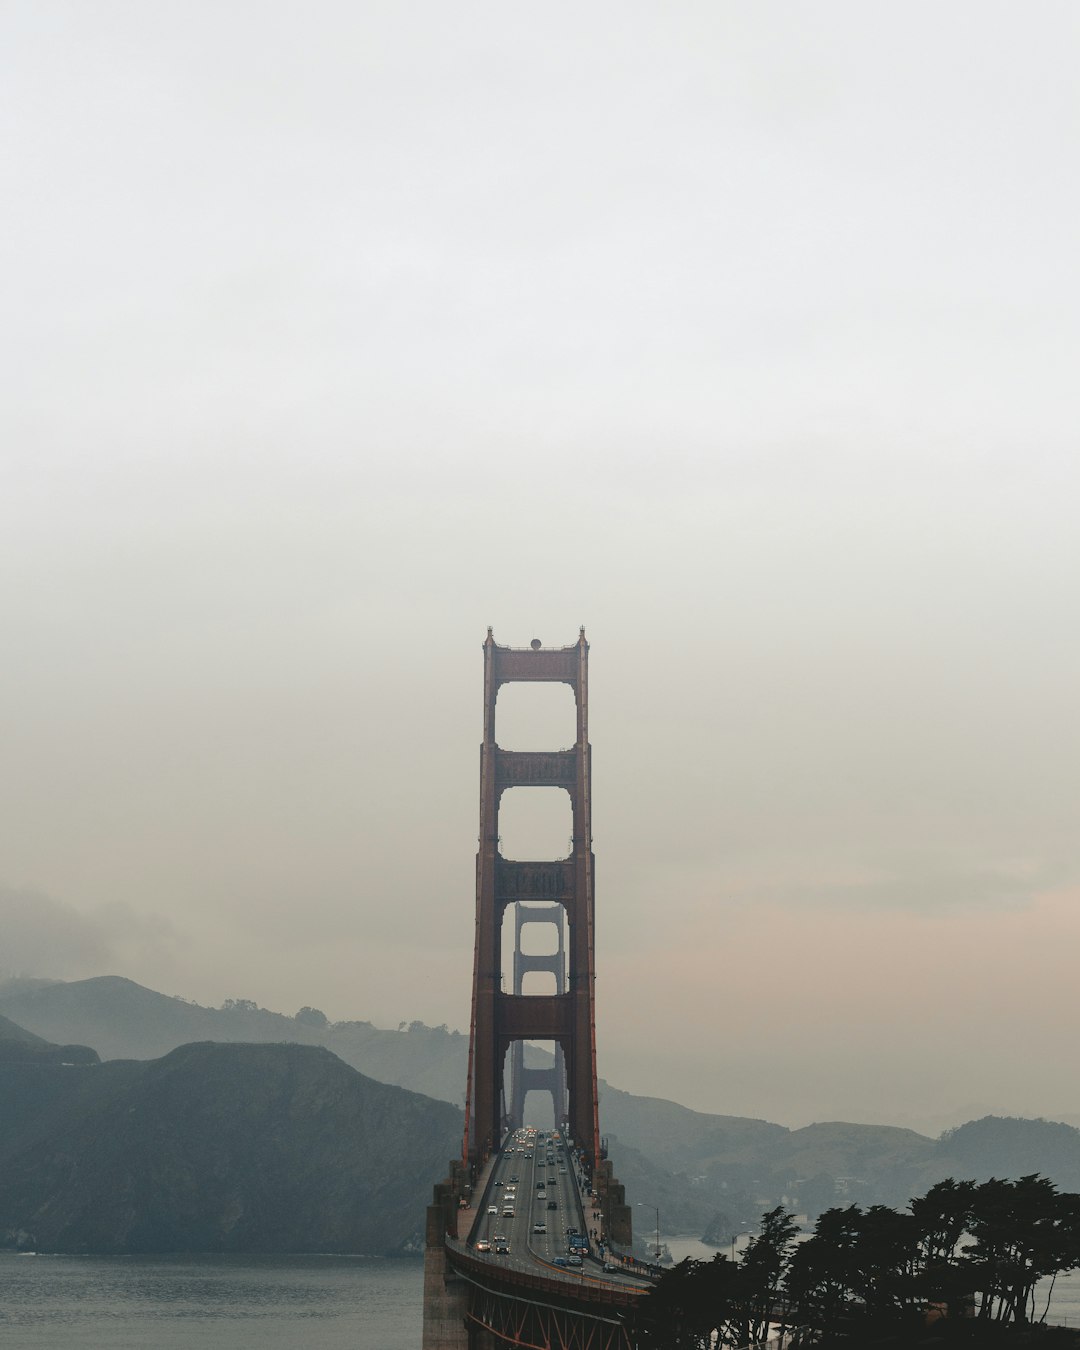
217	1148
1003	1146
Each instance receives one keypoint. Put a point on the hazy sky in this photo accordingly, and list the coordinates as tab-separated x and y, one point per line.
745	334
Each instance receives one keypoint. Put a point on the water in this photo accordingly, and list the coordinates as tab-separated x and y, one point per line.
247	1302
209	1302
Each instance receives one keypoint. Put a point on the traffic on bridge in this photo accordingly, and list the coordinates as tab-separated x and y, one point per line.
535	1215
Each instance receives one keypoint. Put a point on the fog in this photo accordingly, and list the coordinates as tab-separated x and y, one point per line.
743	334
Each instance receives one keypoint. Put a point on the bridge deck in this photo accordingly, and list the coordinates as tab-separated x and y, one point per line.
539	1181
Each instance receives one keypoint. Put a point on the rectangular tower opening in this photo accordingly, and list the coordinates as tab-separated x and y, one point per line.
536	824
535	717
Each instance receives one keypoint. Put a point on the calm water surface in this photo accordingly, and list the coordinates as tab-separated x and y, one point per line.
231	1302
245	1302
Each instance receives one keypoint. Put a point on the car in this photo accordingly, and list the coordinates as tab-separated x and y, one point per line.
552	1204
502	1249
508	1212
539	1227
573	1261
483	1245
560	1261
610	1267
513	1180
493	1209
541	1195
562	1169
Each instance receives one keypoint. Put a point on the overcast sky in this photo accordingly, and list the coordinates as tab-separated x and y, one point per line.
744	334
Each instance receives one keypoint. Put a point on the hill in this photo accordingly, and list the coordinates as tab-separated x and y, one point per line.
274	1148
705	1171
10	1032
1005	1146
124	1020
17	1045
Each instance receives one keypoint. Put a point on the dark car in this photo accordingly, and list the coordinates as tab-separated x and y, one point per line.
552	1204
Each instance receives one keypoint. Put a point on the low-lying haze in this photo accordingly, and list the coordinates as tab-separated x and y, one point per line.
744	334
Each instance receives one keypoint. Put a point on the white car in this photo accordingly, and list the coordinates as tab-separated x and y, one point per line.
493	1209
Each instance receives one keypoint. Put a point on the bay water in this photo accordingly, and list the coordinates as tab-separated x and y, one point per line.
249	1302
209	1302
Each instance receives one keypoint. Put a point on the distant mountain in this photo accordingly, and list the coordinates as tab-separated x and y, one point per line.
676	1137
9	1031
17	1045
124	1020
703	1170
1004	1146
216	1148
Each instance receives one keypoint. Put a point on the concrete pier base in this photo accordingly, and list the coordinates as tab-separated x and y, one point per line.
445	1302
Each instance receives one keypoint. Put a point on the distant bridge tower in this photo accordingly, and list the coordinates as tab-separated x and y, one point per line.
567	1017
527	1078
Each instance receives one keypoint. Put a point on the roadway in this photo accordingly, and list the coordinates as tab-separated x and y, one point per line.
537	1180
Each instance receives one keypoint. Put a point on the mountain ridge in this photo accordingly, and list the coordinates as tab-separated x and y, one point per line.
705	1171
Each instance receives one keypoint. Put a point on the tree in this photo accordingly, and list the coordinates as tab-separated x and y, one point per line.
761	1274
687	1304
942	1218
312	1017
1023	1230
886	1255
823	1274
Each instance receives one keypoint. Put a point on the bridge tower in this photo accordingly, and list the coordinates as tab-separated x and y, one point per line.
527	1078
470	1301
501	1019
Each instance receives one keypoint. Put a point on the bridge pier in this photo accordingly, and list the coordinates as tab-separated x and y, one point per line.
446	1303
446	1297
618	1217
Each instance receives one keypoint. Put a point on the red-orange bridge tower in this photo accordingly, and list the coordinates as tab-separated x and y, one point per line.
502	1019
471	1300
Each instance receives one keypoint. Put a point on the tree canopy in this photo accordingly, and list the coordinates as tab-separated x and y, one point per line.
964	1250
